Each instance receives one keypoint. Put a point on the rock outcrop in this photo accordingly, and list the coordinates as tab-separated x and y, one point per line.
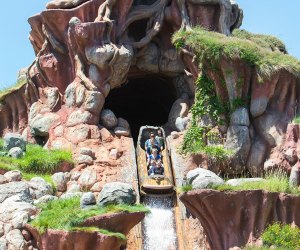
236	218
69	240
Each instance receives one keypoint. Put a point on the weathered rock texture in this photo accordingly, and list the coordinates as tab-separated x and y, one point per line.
233	219
59	239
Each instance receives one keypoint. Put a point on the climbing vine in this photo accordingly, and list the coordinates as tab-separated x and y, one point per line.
207	104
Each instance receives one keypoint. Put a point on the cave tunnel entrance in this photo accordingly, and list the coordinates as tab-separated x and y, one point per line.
143	101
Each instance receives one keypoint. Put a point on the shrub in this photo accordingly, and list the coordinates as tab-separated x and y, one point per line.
66	214
283	236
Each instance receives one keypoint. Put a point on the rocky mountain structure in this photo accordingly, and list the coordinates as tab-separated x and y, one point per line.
104	68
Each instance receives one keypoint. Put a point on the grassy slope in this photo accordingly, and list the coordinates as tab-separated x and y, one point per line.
272	183
66	214
17	86
211	46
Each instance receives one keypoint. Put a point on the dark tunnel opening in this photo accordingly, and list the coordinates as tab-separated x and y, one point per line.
143	101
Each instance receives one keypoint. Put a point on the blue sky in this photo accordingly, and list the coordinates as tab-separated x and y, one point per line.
261	16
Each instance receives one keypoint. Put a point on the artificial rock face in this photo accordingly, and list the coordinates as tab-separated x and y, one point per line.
84	49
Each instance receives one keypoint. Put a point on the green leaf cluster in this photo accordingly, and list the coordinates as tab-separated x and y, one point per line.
280	235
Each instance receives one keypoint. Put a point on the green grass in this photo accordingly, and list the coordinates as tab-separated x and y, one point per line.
273	183
1	144
262	248
37	160
102	231
186	188
265	41
284	236
211	46
66	214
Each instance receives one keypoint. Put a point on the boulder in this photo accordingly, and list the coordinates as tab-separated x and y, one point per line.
201	178
71	195
94	101
3	244
180	108
80	117
181	124
41	124
120	131
238	141
3	180
87	151
15	152
85	159
294	177
87	199
108	119
59	181
87	178
240	117
39	187
78	133
16	240
14	140
14	175
240	181
13	188
73	187
116	193
45	199
123	123
258	106
16	211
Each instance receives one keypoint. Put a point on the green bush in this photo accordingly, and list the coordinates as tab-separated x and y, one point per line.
38	160
283	236
186	188
66	214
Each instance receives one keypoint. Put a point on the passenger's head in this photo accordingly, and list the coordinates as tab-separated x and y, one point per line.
152	135
153	163
159	163
152	140
159	132
154	151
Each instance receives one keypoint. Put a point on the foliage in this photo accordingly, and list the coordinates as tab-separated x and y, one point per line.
206	100
276	182
186	188
206	104
296	120
102	231
37	160
66	214
262	248
1	144
265	41
283	236
211	46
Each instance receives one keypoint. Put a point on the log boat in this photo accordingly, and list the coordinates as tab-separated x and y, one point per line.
155	184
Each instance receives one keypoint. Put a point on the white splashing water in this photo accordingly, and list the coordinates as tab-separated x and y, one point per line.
159	225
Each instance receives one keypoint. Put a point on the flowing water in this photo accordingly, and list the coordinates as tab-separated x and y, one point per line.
159	226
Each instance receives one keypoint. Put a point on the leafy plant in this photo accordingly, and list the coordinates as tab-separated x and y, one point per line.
186	188
296	120
284	236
